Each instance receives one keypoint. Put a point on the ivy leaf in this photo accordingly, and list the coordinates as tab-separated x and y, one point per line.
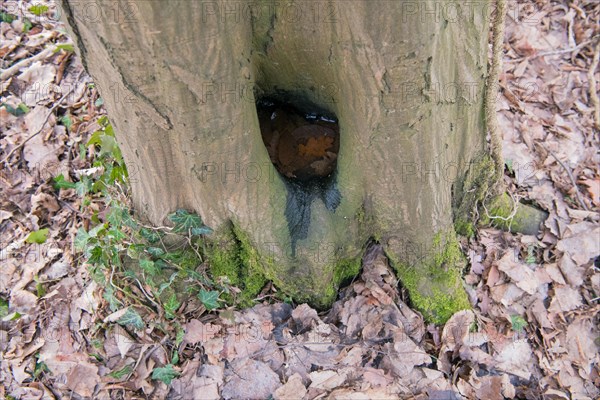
165	374
180	336
21	109
68	47
117	234
186	222
121	373
131	317
27	25
155	251
60	182
171	306
81	239
67	122
147	265
517	322
38	237
97	230
12	316
109	295
83	186
4	308
5	17
150	235
210	299
203	230
38	9
103	121
175	358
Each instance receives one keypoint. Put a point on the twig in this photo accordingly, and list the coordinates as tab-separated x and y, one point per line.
573	182
569	50
52	109
146	294
8	72
592	83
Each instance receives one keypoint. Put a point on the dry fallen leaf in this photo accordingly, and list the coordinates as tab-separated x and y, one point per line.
250	379
293	389
197	332
515	359
565	299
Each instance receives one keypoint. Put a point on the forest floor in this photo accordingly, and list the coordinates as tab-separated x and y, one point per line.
533	330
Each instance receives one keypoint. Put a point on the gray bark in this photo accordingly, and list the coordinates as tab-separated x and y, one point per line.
405	79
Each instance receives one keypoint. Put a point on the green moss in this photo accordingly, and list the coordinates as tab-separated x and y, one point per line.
233	256
465	228
435	286
343	271
526	219
470	192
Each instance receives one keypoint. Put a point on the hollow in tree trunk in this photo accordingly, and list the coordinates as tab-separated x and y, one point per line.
301	131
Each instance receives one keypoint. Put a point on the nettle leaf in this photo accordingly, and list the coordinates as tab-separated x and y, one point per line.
165	374
38	237
210	299
132	318
186	222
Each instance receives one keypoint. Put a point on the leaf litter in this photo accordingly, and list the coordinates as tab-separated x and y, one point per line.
533	330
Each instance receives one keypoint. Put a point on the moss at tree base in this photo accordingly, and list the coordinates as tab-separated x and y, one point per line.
232	255
470	192
504	213
435	285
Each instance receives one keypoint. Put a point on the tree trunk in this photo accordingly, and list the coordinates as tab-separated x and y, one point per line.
404	80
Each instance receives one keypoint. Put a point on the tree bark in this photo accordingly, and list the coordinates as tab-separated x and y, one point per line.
404	79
